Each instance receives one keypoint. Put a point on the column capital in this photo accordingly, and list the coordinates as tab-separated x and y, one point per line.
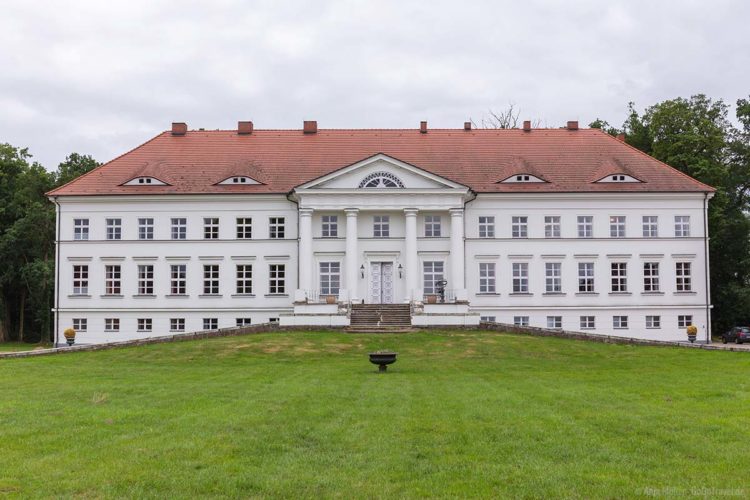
456	212
411	212
305	212
351	212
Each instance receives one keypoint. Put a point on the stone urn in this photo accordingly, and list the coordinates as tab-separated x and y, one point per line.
692	332
70	336
383	359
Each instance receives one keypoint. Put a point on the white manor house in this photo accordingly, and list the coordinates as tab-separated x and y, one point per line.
560	228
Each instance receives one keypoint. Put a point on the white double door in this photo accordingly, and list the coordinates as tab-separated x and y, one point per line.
381	282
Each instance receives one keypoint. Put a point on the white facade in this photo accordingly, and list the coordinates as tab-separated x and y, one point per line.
525	262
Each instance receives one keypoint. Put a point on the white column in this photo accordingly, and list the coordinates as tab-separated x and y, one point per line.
411	262
305	249
457	252
352	257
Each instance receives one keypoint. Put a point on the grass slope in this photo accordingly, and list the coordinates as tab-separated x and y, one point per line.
305	414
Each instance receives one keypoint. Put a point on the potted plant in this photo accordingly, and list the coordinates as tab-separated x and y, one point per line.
330	299
692	332
70	336
432	299
383	359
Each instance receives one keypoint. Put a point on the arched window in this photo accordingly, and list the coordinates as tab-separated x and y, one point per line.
381	180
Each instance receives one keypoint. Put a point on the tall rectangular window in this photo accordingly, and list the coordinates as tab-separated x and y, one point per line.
552	226
434	272
617	226
210	228
520	277
244	279
653	321
179	228
651	277
210	279
330	278
619	322
112	280
81	280
276	228
553	277
650	226
80	229
145	324
145	228
177	324
178	279
554	322
329	226
80	324
586	277
277	279
244	228
519	226
682	226
381	227
619	277
112	324
585	226
486	277
684	320
114	229
210	323
588	322
432	225
145	279
683	273
486	226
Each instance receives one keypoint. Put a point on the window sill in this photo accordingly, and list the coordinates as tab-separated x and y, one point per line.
686	293
521	294
587	328
653	328
79	296
144	331
276	295
584	294
112	296
111	331
144	296
176	331
620	293
210	296
553	294
242	295
487	294
652	293
177	296
620	328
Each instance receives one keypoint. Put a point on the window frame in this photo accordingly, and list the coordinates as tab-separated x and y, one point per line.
81	229
80	279
243	274
617	226
329	273
683	272
381	226
111	325
178	228
553	277
486	227
653	321
145	279
244	226
277	279
585	226
586	277
520	321
144	325
620	322
650	224
552	226
210	324
519	227
431	276
211	227
80	324
681	226
432	226
487	278
145	228
329	226
651	277
211	279
113	279
178	279
113	228
618	277
276	228
176	324
587	322
554	322
520	277
684	320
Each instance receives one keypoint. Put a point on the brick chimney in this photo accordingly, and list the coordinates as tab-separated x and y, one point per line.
423	127
621	137
244	128
527	126
310	127
467	125
573	125
179	128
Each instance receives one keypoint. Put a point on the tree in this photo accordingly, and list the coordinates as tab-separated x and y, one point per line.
74	166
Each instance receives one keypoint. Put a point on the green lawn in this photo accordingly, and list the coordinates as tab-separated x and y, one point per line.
305	415
21	346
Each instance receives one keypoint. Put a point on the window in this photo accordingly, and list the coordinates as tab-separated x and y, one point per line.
146	280
179	228
684	277
114	229
210	279
520	277
650	226
177	324
244	228
330	278
486	227
588	322
432	226
145	324
80	229
240	322
619	322
178	279
684	321
433	274
486	277
112	277
487	319
244	279
381	180
653	321
277	279
586	277
112	324
210	228
146	229
80	280
617	226
682	226
520	320
552	226
519	227
381	227
210	323
554	322
329	226
80	324
650	277
553	277
585	226
276	228
619	277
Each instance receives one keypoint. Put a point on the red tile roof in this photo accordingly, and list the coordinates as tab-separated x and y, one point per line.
570	160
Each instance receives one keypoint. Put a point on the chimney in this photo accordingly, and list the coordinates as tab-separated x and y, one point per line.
467	125
179	128
310	127
527	126
244	128
573	125
621	137
423	127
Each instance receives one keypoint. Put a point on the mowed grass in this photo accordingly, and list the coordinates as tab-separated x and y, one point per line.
469	414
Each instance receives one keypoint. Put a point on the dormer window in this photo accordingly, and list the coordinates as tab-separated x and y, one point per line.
522	178
381	180
239	180
618	178
145	181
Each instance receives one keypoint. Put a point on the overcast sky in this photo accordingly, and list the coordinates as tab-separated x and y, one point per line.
101	77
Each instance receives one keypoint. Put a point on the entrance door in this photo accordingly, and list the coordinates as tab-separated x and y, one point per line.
381	282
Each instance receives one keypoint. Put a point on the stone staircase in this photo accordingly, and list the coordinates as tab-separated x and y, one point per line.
380	318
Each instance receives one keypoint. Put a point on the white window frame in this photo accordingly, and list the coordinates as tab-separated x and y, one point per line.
433	271
178	279
653	321
651	281
244	228
145	228
80	324
552	226
682	226
486	226
176	324
145	279
587	322
488	319
114	228
487	277
276	228
554	322
145	324
277	279
586	277
617	226
111	324
211	279
650	226
520	274
330	278
244	279
210	228
178	229
113	279
240	322
553	277
683	276
80	279
620	322
585	226
520	321
619	277
80	229
519	226
329	226
381	226
684	320
432	226
210	323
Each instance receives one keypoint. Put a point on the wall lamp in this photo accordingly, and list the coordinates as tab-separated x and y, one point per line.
362	271
400	271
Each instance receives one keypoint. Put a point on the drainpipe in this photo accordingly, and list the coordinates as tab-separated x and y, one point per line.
57	270
706	197
290	197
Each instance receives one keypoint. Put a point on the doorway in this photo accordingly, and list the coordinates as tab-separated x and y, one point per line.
381	282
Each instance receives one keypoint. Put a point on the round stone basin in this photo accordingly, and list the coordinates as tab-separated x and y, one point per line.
383	359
